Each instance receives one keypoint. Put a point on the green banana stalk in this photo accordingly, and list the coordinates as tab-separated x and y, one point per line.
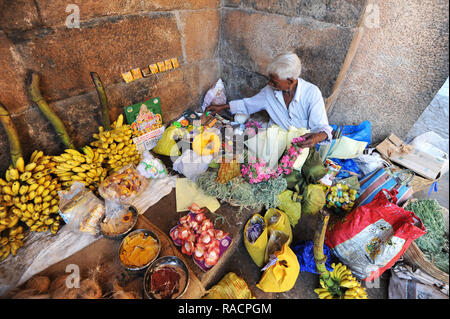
11	132
319	239
36	96
103	100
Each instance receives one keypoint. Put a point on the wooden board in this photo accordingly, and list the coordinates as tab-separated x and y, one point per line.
103	256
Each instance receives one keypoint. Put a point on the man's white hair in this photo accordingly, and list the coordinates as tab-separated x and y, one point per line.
285	66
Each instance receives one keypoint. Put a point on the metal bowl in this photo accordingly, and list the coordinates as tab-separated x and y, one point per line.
135	215
166	261
147	233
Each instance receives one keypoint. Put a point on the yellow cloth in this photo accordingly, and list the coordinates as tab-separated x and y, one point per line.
231	286
282	275
257	249
188	193
280	232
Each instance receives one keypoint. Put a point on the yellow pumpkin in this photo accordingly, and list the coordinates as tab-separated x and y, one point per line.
206	143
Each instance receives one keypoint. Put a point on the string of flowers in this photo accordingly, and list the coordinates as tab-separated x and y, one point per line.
256	171
288	160
251	128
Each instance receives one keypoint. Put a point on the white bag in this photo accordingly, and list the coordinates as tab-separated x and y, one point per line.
368	163
215	95
191	165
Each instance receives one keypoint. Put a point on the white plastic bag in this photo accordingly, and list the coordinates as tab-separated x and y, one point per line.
151	167
215	95
80	209
191	165
368	163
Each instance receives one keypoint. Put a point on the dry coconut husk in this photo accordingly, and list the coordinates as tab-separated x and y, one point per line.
30	294
120	293
89	289
59	289
39	283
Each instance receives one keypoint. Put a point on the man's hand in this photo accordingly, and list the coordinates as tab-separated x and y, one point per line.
311	139
217	108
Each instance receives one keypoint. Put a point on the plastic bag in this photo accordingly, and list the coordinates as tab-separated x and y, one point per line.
123	186
313	199
348	168
281	273
167	145
367	163
80	209
151	167
373	237
361	132
255	238
290	203
215	95
191	165
231	286
305	255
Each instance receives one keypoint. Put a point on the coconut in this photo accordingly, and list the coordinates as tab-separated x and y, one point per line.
89	289
38	283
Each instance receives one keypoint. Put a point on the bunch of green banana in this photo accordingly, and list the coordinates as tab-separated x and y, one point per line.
345	285
30	194
116	145
86	168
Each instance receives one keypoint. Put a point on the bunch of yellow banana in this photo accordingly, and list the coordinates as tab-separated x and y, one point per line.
116	145
345	285
30	194
86	168
10	241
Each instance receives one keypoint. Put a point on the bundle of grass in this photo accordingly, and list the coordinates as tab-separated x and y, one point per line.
434	244
238	192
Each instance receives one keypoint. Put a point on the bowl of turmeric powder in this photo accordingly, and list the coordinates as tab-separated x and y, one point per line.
139	249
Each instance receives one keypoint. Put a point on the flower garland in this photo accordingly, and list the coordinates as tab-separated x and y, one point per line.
288	160
256	170
251	128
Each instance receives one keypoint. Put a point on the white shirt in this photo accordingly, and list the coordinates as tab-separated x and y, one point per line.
306	110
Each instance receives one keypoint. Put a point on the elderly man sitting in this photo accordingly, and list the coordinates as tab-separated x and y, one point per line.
289	100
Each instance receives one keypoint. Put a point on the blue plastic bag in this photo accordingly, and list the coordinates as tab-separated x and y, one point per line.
347	165
361	132
304	250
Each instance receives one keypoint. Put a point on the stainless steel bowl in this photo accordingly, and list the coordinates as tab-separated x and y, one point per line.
166	261
147	233
135	216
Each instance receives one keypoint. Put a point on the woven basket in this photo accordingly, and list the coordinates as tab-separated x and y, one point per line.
416	258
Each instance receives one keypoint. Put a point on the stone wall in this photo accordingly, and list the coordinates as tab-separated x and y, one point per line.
253	32
399	66
114	36
397	69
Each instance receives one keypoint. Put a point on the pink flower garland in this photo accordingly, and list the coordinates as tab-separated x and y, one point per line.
288	160
251	128
256	170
